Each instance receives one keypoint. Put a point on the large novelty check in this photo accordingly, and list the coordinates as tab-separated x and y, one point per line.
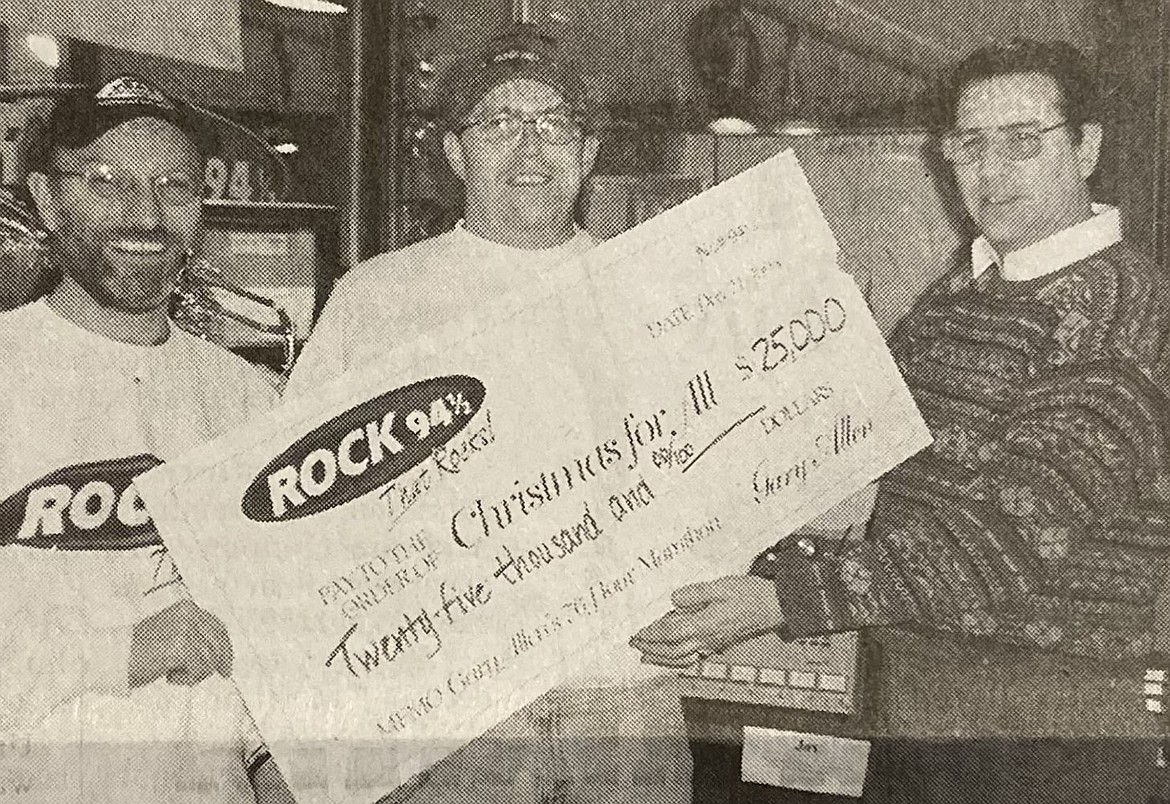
425	547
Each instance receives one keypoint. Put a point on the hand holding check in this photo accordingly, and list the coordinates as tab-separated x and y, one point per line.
707	618
182	643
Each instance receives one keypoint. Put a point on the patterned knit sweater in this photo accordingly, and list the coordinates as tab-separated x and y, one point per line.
1039	516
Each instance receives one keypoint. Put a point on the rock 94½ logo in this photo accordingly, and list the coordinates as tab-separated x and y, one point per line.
88	506
363	449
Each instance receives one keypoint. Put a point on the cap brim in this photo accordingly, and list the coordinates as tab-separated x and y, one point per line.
234	142
460	105
77	122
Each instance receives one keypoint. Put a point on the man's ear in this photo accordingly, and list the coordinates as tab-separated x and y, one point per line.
1089	151
41	189
453	147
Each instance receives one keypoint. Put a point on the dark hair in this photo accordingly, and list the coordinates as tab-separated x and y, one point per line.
1060	61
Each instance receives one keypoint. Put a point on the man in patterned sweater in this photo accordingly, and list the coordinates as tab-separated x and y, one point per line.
1011	571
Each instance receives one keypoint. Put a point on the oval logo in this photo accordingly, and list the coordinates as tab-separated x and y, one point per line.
363	449
88	506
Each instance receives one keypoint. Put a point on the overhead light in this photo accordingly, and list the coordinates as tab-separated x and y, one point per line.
45	49
799	128
280	139
322	6
731	125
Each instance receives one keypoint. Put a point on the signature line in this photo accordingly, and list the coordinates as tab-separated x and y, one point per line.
720	437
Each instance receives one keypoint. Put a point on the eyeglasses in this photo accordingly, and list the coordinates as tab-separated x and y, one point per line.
1017	143
555	128
115	184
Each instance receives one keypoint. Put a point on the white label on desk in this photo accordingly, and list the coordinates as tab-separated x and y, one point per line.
815	763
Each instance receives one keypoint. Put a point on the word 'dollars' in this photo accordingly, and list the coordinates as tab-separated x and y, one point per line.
89	506
363	449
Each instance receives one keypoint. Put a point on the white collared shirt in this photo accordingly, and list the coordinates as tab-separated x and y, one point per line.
1058	250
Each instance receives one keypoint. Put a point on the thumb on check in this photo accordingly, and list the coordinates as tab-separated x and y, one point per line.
697	595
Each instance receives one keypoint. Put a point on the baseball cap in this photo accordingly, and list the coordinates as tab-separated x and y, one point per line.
522	51
79	118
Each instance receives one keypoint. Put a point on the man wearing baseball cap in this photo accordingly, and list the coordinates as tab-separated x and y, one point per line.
517	132
115	680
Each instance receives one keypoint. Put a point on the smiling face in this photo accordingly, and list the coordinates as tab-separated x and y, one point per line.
123	244
1017	203
520	190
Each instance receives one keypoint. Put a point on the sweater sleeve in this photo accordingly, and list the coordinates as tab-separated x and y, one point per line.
1057	539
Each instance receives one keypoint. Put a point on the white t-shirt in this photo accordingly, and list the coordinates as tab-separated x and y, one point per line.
389	300
393	297
80	561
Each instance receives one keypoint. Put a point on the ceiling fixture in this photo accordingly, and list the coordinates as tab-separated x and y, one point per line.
798	128
321	6
45	49
281	139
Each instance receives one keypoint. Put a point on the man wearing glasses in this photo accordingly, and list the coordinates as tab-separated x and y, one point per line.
1012	574
517	134
113	676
